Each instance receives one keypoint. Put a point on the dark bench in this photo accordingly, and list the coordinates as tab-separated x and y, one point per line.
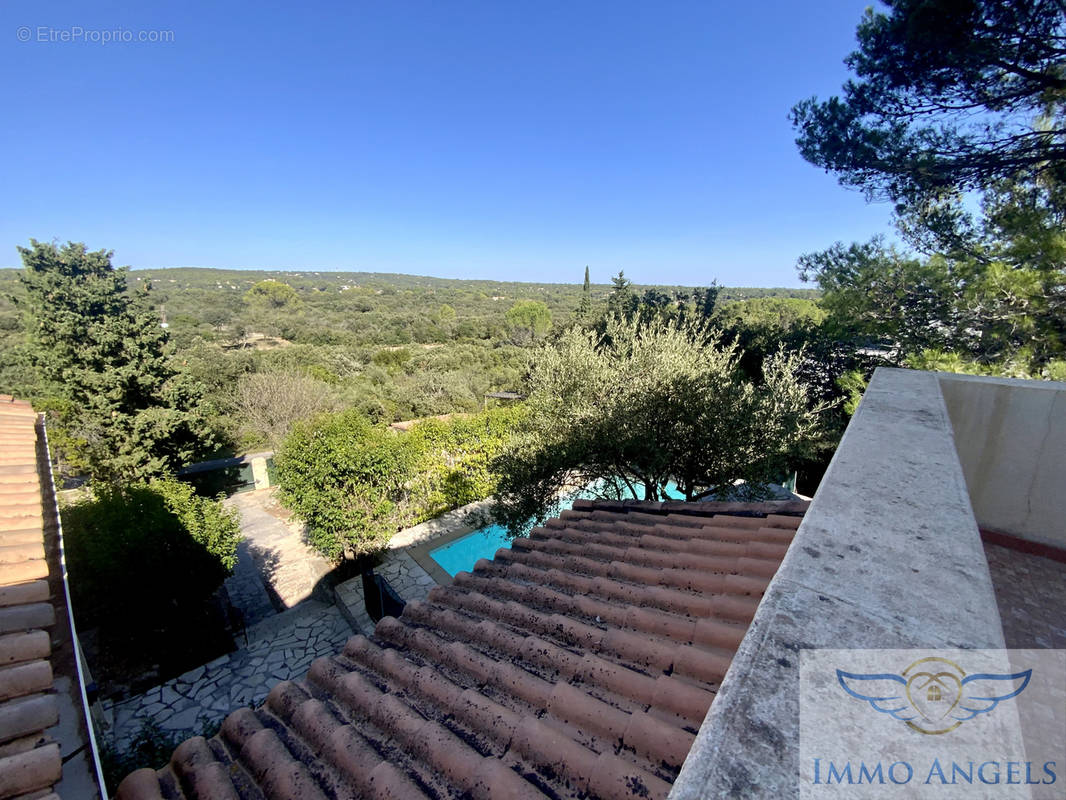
380	599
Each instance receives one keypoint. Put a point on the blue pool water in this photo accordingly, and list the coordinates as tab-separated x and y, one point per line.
462	554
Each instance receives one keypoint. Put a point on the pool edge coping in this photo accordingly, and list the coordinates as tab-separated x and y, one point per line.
420	552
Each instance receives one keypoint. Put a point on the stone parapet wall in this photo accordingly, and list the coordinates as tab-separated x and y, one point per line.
888	556
1011	440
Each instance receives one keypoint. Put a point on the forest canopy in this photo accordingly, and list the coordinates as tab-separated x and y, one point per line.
956	113
394	347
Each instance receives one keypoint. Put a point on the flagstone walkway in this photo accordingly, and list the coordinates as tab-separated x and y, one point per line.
275	553
402	572
280	648
277	646
409	580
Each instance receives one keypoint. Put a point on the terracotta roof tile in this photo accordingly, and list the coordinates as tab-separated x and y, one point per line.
16	647
29	760
578	663
23	679
30	772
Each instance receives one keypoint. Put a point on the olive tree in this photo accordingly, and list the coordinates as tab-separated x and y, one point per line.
643	404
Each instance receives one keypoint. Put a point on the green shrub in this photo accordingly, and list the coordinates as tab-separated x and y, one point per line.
355	483
455	458
853	384
210	524
392	357
1019	365
345	478
1056	370
144	561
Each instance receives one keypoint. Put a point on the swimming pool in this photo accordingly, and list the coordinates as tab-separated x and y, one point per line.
463	553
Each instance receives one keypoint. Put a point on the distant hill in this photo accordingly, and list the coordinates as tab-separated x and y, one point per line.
204	277
395	346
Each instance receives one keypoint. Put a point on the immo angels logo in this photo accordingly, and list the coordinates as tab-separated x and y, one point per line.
933	695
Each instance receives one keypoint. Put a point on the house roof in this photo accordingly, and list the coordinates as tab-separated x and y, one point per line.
30	761
579	663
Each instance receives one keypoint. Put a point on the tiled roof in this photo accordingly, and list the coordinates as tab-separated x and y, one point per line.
29	759
579	663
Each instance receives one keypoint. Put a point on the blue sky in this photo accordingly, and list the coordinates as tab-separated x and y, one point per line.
500	139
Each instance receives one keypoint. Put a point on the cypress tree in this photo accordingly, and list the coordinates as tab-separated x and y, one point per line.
129	412
585	308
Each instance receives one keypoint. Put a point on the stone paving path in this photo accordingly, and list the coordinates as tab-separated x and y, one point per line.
246	590
281	648
409	580
289	569
403	573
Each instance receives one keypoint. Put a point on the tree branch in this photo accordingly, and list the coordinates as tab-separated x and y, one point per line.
1043	79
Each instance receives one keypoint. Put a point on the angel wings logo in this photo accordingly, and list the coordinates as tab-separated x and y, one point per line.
934	695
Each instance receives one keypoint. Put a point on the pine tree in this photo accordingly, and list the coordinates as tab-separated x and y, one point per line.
622	302
130	413
948	98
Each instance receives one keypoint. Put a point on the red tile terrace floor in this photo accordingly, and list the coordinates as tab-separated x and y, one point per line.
580	663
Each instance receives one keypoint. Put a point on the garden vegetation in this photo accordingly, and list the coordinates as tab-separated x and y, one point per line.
355	483
623	413
956	113
145	559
